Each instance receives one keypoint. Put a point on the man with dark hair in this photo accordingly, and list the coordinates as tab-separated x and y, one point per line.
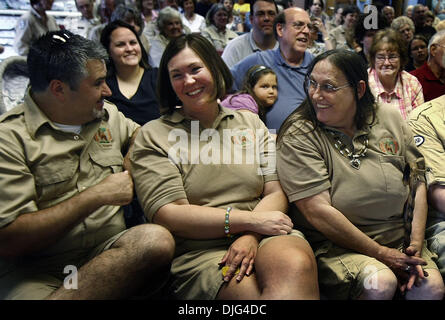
289	61
260	37
33	24
63	184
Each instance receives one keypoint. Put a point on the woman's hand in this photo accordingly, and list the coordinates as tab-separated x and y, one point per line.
271	223
241	254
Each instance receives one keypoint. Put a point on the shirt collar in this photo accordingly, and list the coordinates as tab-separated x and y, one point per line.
35	117
307	59
253	44
176	117
379	90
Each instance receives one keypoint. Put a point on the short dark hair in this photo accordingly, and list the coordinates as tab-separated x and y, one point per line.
394	40
105	40
279	19
252	2
354	68
350	9
61	55
222	77
311	2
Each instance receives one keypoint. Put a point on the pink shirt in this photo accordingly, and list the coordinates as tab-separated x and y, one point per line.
406	95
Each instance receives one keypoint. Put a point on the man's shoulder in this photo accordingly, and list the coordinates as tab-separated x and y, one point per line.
241	40
431	109
12	115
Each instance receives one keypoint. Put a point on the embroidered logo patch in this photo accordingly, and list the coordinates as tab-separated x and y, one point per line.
418	140
103	136
243	137
389	146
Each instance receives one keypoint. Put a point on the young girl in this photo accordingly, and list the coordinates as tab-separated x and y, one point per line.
259	92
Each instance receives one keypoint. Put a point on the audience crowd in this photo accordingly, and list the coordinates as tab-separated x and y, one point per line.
204	149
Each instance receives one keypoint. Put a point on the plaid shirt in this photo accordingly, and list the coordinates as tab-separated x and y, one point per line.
406	95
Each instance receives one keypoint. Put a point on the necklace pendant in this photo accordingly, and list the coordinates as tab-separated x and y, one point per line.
355	163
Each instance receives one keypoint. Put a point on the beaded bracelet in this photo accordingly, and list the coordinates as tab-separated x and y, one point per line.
226	223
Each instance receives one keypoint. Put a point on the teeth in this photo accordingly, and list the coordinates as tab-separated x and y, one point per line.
194	92
320	106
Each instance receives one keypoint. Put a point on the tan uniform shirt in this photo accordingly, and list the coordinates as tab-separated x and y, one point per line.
428	125
29	28
174	158
373	197
218	39
42	166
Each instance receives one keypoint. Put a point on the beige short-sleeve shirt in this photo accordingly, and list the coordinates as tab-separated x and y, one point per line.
175	158
42	165
373	196
428	125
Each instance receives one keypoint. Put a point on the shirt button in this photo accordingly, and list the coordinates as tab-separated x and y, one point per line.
76	137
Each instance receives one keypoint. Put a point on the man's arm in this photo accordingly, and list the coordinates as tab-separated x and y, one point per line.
33	231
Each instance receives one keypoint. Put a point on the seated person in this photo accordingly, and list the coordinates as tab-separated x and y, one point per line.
429	130
259	92
392	86
216	30
341	160
63	184
131	80
234	240
33	24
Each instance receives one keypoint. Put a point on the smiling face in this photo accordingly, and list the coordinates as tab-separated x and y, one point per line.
387	62
220	18
335	109
266	89
192	81
172	28
125	50
294	35
88	100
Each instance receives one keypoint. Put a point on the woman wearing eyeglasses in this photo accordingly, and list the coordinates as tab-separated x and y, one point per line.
341	160
390	84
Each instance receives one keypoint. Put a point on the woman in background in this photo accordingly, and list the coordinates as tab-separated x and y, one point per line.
216	30
390	84
131	80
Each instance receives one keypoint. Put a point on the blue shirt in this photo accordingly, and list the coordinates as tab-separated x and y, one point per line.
290	81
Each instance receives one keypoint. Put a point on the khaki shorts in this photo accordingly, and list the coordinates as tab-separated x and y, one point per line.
343	274
37	278
197	274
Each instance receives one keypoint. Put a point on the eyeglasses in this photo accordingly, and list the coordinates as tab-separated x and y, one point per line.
312	85
393	58
439	45
299	25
